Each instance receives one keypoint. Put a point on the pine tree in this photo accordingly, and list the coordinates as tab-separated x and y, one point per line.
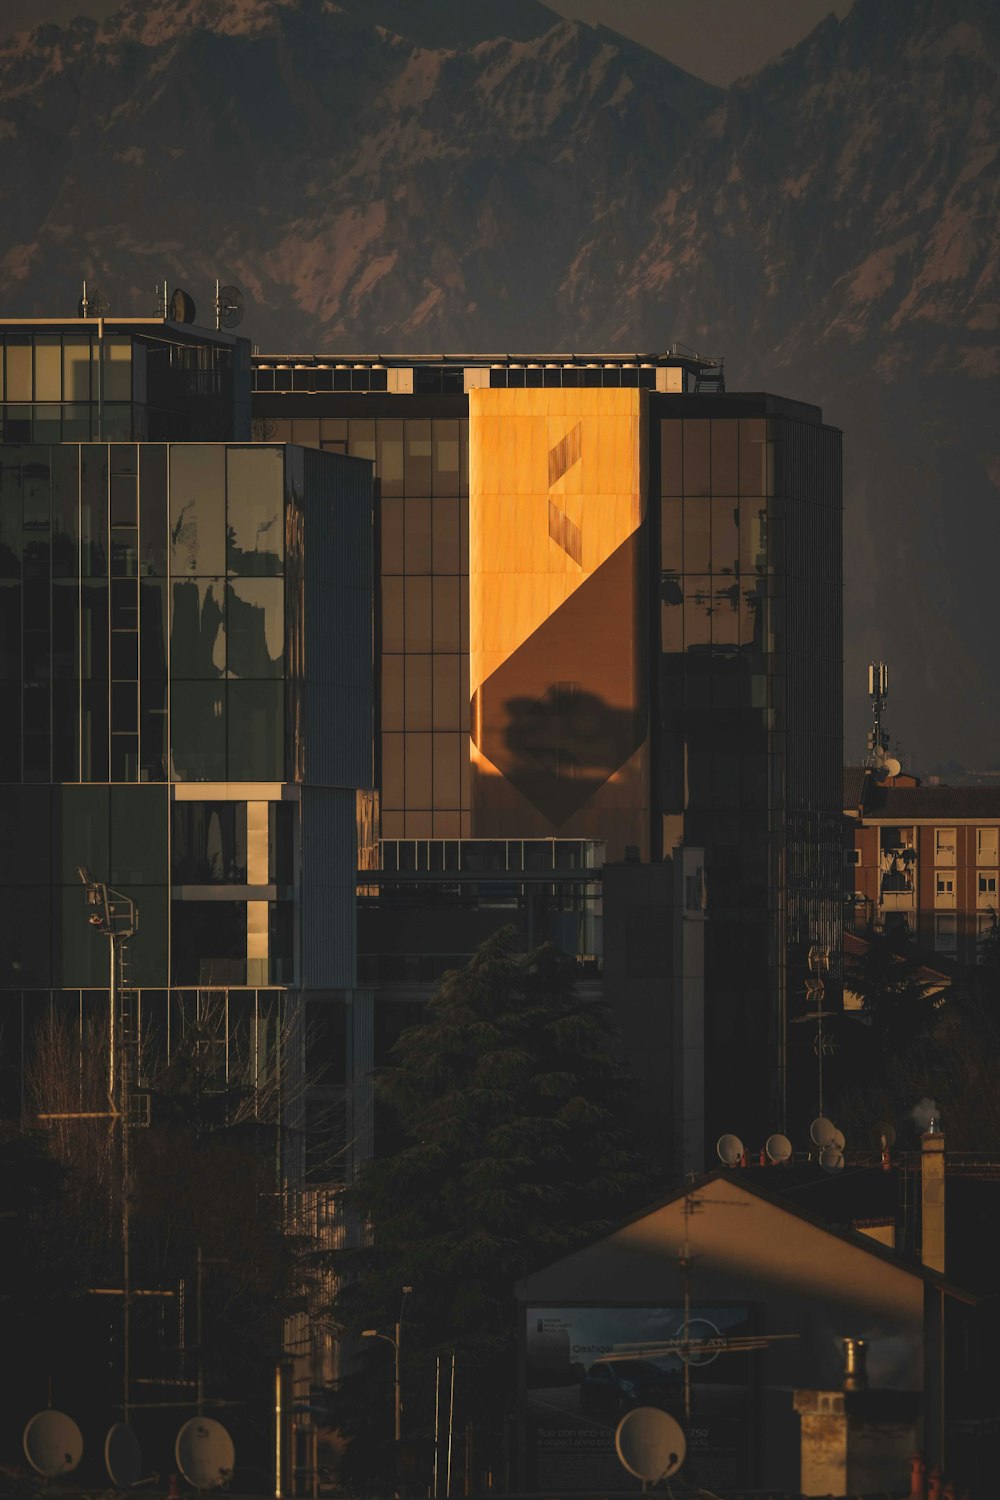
515	1144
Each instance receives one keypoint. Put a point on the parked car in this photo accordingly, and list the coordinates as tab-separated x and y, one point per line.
613	1387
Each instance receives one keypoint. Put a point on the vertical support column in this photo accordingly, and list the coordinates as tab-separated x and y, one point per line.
689	1009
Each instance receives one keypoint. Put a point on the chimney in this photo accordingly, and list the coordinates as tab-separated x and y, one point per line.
932	1198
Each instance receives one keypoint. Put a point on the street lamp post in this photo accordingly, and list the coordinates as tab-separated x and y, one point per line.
397	1345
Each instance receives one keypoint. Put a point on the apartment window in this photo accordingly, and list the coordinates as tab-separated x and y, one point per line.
944	888
986	893
944	846
986	846
946	933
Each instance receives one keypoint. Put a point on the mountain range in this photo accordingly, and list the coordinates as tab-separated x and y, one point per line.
445	175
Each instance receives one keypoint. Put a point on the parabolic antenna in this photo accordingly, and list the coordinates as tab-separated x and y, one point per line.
778	1147
205	1454
182	307
729	1149
53	1444
122	1456
891	766
831	1159
883	1136
822	1131
650	1443
839	1140
230	306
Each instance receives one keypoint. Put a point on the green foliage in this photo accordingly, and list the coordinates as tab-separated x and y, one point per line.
515	1145
941	1044
897	992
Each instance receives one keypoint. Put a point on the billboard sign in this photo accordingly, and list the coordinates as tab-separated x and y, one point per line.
585	1367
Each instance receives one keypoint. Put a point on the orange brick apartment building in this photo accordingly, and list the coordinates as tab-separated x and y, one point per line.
924	857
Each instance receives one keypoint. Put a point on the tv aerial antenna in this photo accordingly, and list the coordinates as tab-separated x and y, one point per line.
817	964
92	303
230	306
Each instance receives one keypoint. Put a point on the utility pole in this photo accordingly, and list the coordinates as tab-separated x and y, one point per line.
397	1345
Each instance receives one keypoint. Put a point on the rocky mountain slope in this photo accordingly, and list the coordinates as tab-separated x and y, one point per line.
378	173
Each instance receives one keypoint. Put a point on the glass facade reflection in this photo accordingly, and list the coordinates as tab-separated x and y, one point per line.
422	470
739	574
87	379
186	637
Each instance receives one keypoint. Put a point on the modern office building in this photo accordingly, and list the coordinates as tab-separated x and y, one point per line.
611	611
186	651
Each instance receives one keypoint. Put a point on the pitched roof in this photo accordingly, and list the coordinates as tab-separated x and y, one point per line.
748	1182
903	803
854	787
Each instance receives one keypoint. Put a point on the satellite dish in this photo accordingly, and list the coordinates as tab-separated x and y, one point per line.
822	1131
182	308
122	1456
650	1443
53	1444
891	766
778	1147
883	1136
729	1149
839	1139
831	1159
230	306
92	304
205	1454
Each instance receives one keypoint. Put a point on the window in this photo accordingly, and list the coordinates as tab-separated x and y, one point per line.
986	846
944	888
986	894
944	846
946	934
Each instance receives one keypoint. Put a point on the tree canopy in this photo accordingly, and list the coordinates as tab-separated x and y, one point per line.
514	1143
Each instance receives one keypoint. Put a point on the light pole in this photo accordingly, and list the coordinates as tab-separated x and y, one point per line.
397	1344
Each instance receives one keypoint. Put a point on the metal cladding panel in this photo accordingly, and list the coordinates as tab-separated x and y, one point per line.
557	491
338	603
328	923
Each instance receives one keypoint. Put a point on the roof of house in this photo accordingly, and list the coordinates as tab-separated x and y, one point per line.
854	787
749	1182
905	803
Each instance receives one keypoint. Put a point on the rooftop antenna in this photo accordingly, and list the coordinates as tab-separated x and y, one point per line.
818	964
878	758
650	1444
162	300
92	304
53	1443
205	1453
230	306
182	306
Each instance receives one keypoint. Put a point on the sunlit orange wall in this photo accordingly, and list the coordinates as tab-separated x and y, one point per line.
556	507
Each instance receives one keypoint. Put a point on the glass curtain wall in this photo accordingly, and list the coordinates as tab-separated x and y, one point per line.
421	466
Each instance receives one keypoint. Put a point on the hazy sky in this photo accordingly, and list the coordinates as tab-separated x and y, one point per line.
717	39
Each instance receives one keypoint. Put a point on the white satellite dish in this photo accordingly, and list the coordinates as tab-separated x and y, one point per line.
822	1131
650	1443
205	1454
729	1149
891	766
831	1159
839	1139
778	1147
53	1444
122	1456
